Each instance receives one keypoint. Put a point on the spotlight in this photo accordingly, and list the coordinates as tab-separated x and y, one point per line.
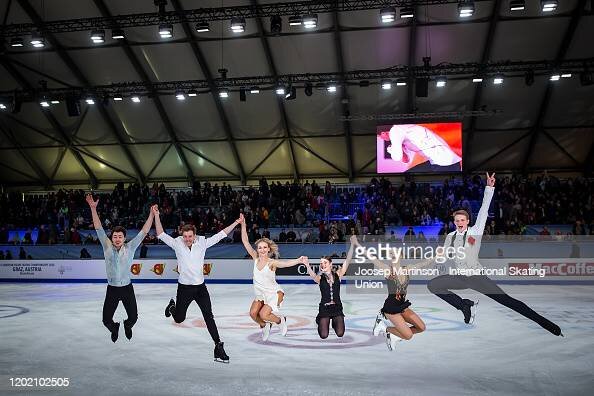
400	83
295	20
55	102
180	95
192	93
2	106
498	79
242	97
310	21
135	98
118	34
254	90
555	77
280	90
118	98
566	75
517	5
16	42
276	24
548	5
477	79
238	25
308	89
407	12
331	87
386	84
224	93
529	78
37	40
98	36
291	94
44	102
202	27
166	30
441	81
90	101
388	14
465	8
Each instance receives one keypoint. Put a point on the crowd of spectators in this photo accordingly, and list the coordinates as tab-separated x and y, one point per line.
330	212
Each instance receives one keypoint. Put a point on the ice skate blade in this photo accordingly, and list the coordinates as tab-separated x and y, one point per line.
221	361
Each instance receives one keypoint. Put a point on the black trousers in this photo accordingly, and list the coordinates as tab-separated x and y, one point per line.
113	296
442	286
199	293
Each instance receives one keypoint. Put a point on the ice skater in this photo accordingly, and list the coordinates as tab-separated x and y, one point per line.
118	259
405	323
469	239
330	308
189	251
265	309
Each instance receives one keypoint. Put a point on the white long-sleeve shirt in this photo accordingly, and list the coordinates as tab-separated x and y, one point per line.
474	234
190	261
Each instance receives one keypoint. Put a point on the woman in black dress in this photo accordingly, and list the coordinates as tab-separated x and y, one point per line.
330	305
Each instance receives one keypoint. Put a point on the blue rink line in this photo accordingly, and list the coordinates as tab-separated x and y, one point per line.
288	281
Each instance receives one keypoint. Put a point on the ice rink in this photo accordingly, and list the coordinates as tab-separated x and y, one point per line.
55	330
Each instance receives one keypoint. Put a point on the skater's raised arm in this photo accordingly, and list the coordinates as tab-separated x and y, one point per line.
347	261
216	238
288	263
311	272
161	234
245	239
481	220
94	215
137	240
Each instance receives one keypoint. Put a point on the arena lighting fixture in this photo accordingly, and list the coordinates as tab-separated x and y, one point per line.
2	106
291	93
331	87
465	8
37	40
280	90
202	27
276	24
295	20
254	90
310	21
118	34
90	101
441	81
17	42
498	79
118	98
135	99
517	5
192	93
180	95
44	102
55	101
566	75
166	30
400	83
386	84
548	5
238	25
224	93
98	36
477	79
407	12
388	14
555	76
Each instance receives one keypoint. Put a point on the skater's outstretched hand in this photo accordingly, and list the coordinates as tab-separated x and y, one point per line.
155	210
241	219
491	180
92	204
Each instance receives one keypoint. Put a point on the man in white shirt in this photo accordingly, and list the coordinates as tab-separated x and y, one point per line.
469	239
190	249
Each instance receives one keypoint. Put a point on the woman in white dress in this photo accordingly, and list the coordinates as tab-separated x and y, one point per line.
265	309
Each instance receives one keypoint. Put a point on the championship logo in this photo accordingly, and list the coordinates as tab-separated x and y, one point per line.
135	268
158	269
206	267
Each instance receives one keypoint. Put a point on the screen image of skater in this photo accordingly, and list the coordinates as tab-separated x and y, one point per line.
424	148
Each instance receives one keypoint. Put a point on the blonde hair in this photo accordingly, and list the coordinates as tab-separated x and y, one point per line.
271	245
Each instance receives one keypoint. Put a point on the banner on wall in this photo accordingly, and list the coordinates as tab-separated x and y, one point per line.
241	270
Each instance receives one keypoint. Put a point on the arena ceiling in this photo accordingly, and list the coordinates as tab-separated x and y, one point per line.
537	124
